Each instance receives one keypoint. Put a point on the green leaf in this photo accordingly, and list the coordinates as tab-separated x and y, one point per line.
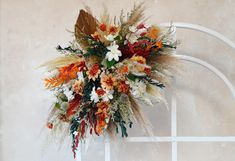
57	105
110	63
131	77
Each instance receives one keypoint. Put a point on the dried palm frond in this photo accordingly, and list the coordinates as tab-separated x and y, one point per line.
163	59
139	116
154	91
157	75
85	25
111	130
61	61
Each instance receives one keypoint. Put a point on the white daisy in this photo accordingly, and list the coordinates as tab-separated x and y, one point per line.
110	37
132	29
113	53
132	38
80	76
94	95
108	95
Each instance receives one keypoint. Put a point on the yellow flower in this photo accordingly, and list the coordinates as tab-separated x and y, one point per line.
139	59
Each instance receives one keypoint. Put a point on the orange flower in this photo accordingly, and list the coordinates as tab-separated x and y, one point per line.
101	116
96	35
66	74
108	81
102	27
148	47
159	44
123	87
100	92
153	32
123	70
78	86
93	72
102	105
139	59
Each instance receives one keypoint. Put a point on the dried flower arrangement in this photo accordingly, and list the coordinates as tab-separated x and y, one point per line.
110	64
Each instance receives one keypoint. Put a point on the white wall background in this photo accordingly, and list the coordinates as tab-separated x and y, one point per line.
30	31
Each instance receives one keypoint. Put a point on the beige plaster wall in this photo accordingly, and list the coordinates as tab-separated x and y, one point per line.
30	31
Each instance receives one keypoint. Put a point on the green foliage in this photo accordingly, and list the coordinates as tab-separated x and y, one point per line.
68	49
110	63
87	91
96	48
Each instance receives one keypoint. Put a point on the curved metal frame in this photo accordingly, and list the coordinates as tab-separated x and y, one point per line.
174	139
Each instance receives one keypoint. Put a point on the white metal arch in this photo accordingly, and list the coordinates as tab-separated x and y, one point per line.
174	139
202	29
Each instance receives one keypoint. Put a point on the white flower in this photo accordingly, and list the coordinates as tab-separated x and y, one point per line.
132	38
94	95
110	37
113	53
68	93
138	88
132	29
108	95
80	76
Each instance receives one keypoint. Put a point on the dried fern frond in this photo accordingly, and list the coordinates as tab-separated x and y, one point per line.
61	61
85	25
53	82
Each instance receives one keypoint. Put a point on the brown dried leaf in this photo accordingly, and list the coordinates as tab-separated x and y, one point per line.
85	25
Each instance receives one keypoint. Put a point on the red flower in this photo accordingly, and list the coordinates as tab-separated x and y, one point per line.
113	29
100	92
140	26
147	71
123	87
49	125
102	27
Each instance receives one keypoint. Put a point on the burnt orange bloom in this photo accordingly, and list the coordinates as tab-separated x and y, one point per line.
123	87
93	72
123	70
102	27
102	105
96	36
153	32
100	92
159	44
101	116
66	74
148	47
108	81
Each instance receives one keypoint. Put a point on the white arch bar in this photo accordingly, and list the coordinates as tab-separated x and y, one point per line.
201	29
174	138
211	68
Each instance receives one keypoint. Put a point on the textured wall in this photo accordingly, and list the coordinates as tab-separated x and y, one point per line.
30	31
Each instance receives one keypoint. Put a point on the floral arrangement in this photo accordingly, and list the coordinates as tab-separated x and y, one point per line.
102	74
